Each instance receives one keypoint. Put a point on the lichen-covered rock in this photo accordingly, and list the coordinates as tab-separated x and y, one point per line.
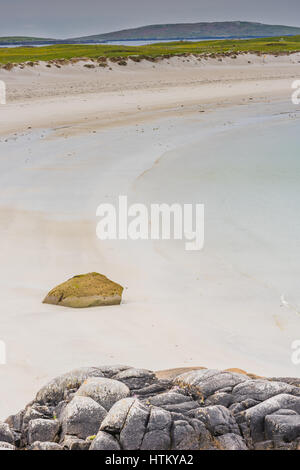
74	443
6	446
54	391
82	417
232	441
110	372
6	434
104	391
45	446
220	398
86	290
134	428
136	378
15	422
170	398
150	390
295	381
261	390
263	445
208	381
115	419
255	416
158	432
176	401
42	430
218	420
190	435
282	427
105	441
123	408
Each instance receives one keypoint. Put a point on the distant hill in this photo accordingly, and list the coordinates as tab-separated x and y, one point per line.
218	30
226	29
15	40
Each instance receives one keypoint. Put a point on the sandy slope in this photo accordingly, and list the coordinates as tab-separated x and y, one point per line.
41	97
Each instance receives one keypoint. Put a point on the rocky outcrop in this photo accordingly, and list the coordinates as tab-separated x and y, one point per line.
86	290
123	408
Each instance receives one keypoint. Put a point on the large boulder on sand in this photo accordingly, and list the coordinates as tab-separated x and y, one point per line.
86	290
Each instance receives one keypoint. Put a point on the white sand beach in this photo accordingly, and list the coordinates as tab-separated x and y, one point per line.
220	133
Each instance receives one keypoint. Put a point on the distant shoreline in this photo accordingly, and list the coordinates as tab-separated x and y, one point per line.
141	39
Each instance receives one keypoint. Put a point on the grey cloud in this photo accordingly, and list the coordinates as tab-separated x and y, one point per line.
65	18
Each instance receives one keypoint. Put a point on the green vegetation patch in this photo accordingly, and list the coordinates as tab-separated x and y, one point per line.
274	45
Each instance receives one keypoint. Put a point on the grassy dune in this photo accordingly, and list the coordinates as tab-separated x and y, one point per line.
272	45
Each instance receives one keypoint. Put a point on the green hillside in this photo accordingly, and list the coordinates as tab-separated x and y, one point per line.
224	29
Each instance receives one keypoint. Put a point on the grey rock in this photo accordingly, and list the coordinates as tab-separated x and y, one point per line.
264	445
219	398
236	408
136	378
34	411
285	446
225	390
6	446
248	403
285	412
158	433
169	398
190	435
153	389
73	443
218	420
255	416
45	446
42	430
82	417
59	409
106	392
260	390
105	441
111	371
208	381
116	417
30	413
16	421
69	394
184	408
282	427
54	391
6	434
184	436
132	433
120	407
232	441
289	380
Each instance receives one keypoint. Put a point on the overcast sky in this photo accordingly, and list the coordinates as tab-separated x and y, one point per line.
66	18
